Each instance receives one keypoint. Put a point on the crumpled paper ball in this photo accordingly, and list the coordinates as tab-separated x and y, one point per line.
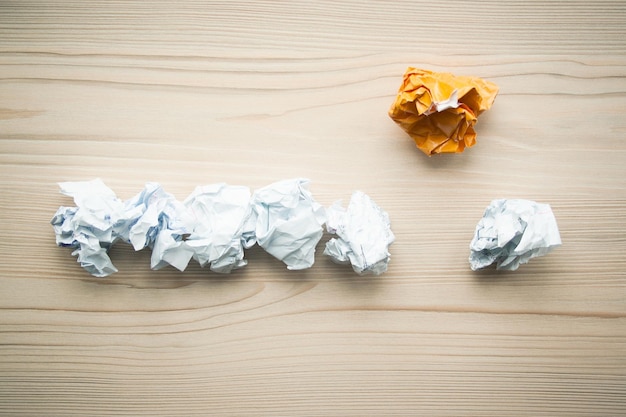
287	222
363	235
512	232
439	110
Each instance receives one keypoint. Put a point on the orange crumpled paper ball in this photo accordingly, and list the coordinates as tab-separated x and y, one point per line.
439	110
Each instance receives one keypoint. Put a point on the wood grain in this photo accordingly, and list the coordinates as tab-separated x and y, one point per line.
248	92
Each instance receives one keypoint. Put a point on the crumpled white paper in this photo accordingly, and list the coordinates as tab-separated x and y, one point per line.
511	233
91	227
219	213
162	225
216	223
288	222
364	235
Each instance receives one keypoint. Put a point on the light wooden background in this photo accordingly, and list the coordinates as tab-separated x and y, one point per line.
249	92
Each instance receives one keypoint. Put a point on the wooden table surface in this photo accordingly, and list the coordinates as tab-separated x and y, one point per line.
251	92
